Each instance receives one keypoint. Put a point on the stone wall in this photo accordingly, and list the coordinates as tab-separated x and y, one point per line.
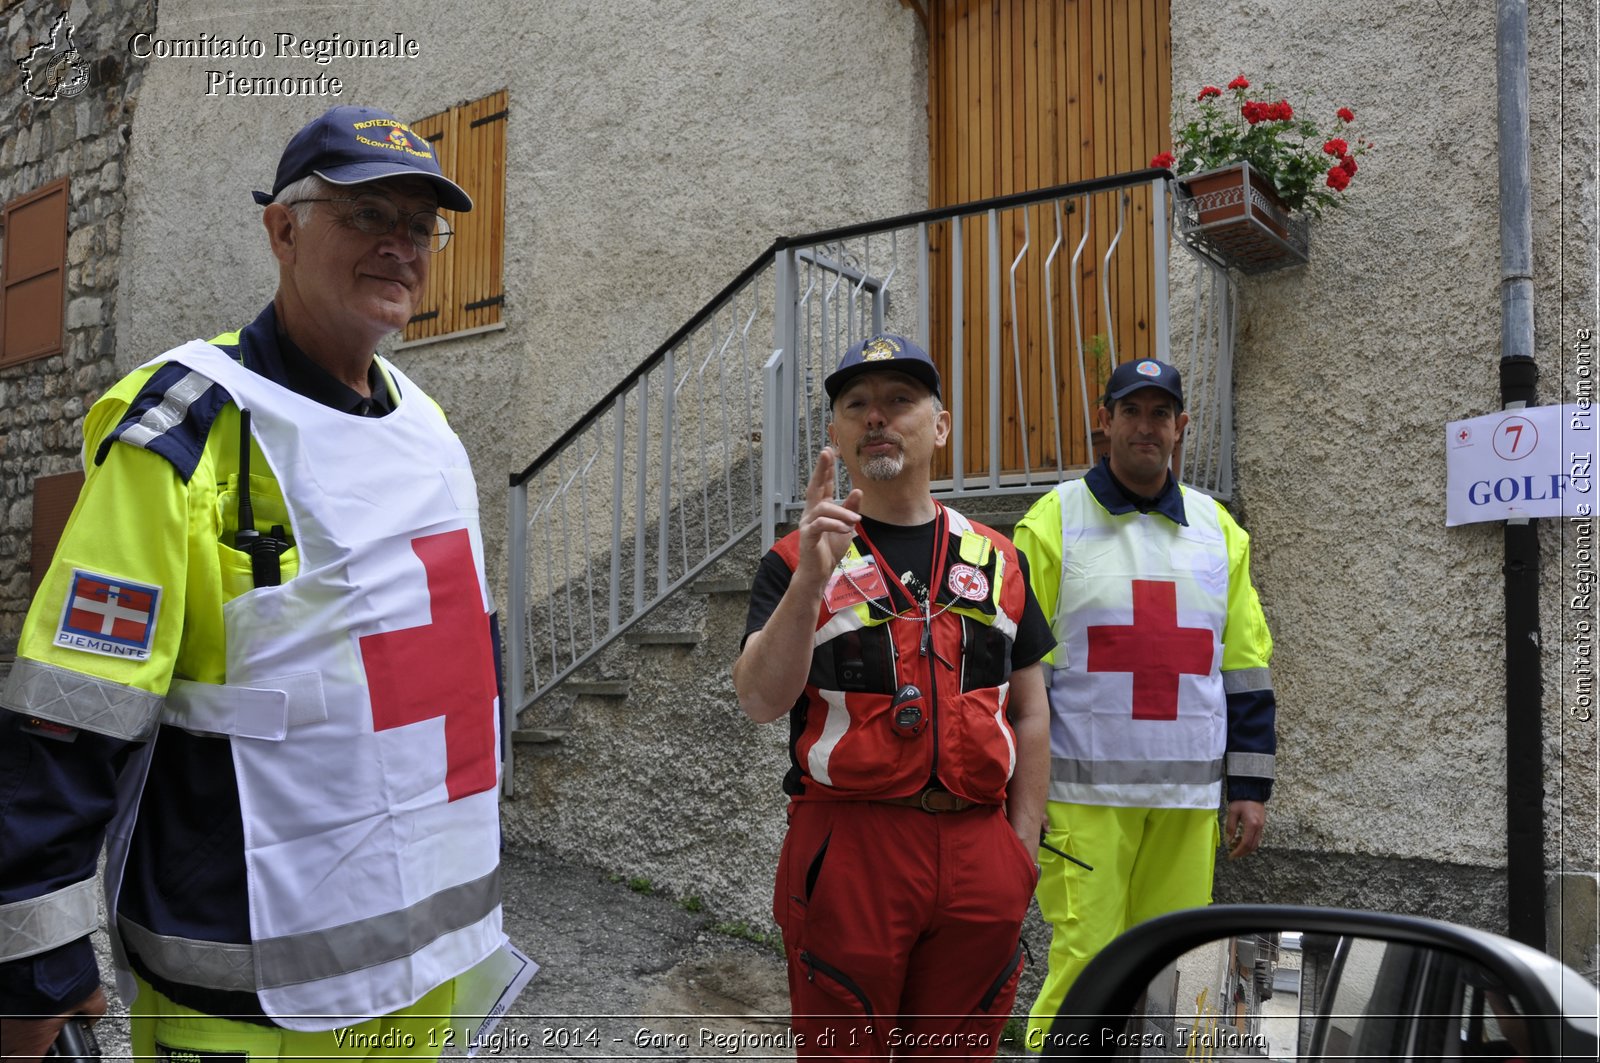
42	402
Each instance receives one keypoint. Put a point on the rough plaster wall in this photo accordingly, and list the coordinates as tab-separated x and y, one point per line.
1388	625
653	150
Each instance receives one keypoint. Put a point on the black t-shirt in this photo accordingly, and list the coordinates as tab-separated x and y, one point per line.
908	550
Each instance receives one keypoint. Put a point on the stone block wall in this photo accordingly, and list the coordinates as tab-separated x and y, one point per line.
85	138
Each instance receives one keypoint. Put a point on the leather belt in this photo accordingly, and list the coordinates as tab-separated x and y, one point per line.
933	799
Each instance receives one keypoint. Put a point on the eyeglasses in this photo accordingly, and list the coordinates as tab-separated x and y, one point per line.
377	216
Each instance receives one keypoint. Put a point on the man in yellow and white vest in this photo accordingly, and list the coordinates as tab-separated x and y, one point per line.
280	714
1159	685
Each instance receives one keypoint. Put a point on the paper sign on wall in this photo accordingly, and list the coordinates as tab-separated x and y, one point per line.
1533	462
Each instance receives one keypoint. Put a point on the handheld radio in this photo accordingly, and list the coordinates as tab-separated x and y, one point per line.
265	570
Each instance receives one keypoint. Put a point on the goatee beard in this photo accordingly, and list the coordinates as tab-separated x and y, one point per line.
883	466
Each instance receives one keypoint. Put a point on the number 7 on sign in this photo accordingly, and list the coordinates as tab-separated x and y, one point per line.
1515	437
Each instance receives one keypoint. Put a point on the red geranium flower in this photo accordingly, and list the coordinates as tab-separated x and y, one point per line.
1308	161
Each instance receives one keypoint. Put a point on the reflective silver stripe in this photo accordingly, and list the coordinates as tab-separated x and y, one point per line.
834	727
1243	680
214	964
39	924
169	413
78	700
1255	765
1111	772
319	954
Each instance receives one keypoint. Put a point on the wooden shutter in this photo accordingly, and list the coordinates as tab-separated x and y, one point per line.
33	272
1023	95
465	289
53	499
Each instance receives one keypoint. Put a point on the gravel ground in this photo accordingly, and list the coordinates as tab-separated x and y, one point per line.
623	973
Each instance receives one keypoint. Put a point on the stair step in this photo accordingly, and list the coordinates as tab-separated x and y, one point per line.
720	586
663	638
600	688
539	735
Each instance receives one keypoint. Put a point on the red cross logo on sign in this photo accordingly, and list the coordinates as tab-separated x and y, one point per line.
1154	648
443	668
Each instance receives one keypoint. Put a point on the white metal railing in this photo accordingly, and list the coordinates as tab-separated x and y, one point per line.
714	435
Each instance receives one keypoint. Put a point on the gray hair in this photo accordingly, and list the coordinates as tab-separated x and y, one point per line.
296	193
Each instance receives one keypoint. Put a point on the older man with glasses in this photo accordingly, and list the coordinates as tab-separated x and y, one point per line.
262	667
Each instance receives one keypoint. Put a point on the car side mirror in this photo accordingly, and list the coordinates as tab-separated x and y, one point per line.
1291	983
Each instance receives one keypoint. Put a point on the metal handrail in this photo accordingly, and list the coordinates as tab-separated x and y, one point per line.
783	243
711	437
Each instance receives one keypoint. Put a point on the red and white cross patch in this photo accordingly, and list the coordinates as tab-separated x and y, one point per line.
110	616
968	582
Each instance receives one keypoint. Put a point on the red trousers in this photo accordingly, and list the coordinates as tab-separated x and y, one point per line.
902	928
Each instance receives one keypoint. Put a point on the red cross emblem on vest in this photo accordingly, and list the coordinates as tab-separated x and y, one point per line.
442	668
1154	648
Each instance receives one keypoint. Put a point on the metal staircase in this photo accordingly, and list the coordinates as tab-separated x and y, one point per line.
712	437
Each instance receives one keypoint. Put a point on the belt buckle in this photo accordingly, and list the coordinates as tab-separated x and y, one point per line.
922	800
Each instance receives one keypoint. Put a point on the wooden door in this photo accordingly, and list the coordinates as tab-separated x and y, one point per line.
1025	95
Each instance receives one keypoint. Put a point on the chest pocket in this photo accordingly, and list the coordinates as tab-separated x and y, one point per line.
266	500
985	655
857	662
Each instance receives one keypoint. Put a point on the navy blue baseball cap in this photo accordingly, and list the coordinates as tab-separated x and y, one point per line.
883	351
352	145
1144	373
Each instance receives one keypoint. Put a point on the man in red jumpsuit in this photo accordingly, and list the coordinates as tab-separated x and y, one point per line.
902	641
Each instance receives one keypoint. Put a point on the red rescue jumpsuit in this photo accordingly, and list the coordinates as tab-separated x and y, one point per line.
902	928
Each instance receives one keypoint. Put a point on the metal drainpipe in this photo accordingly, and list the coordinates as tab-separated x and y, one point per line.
1519	375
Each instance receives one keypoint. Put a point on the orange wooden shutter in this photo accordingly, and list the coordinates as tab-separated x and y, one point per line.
32	303
465	289
53	499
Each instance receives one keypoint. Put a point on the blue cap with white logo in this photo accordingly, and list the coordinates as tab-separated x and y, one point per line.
352	145
1144	373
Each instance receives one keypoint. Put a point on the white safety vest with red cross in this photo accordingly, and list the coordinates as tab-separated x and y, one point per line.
362	711
1138	712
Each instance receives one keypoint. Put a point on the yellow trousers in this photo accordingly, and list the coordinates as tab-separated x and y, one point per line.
1147	862
420	1031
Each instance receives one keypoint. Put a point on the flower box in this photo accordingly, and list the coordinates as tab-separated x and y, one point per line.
1252	173
1233	216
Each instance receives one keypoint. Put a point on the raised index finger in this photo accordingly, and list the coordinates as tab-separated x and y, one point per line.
820	486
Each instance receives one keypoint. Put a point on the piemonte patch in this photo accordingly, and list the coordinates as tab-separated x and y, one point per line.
109	616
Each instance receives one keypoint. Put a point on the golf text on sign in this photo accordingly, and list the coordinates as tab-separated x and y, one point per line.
1534	462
